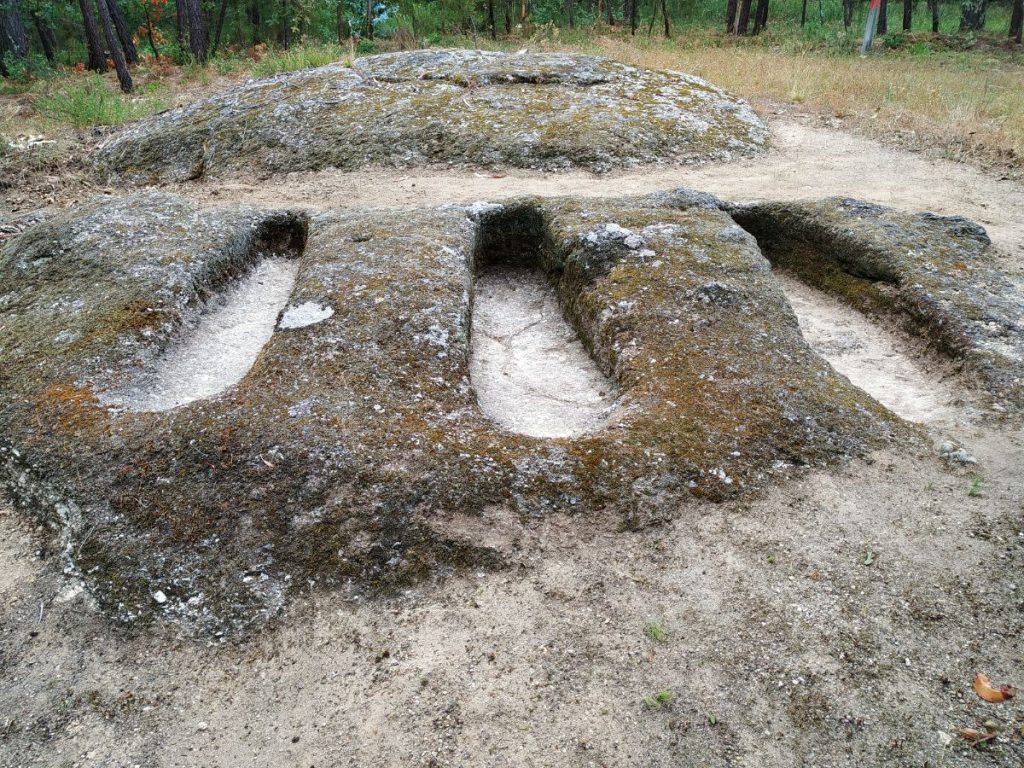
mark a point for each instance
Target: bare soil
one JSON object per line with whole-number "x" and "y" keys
{"x": 835, "y": 621}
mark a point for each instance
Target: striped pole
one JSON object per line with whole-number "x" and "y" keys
{"x": 869, "y": 30}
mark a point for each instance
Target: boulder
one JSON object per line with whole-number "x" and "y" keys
{"x": 442, "y": 107}
{"x": 353, "y": 454}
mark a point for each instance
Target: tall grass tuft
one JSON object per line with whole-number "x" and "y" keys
{"x": 300, "y": 57}
{"x": 88, "y": 101}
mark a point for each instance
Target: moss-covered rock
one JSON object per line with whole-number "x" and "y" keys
{"x": 354, "y": 454}
{"x": 936, "y": 275}
{"x": 442, "y": 107}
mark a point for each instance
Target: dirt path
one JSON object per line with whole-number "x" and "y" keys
{"x": 834, "y": 621}
{"x": 808, "y": 160}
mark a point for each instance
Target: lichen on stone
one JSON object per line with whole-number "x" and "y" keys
{"x": 345, "y": 454}
{"x": 443, "y": 107}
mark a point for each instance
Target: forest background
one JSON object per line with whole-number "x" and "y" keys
{"x": 942, "y": 76}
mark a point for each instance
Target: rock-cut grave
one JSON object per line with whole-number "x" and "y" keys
{"x": 216, "y": 405}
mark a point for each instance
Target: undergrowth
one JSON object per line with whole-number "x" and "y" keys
{"x": 303, "y": 57}
{"x": 84, "y": 101}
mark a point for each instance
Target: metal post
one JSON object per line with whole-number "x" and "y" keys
{"x": 869, "y": 30}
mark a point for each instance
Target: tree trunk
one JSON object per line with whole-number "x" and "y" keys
{"x": 1017, "y": 20}
{"x": 221, "y": 13}
{"x": 908, "y": 15}
{"x": 972, "y": 15}
{"x": 934, "y": 6}
{"x": 664, "y": 17}
{"x": 570, "y": 13}
{"x": 284, "y": 32}
{"x": 46, "y": 38}
{"x": 97, "y": 59}
{"x": 743, "y": 17}
{"x": 611, "y": 13}
{"x": 883, "y": 18}
{"x": 149, "y": 31}
{"x": 114, "y": 45}
{"x": 633, "y": 11}
{"x": 508, "y": 17}
{"x": 760, "y": 16}
{"x": 180, "y": 27}
{"x": 803, "y": 13}
{"x": 255, "y": 21}
{"x": 13, "y": 38}
{"x": 730, "y": 16}
{"x": 124, "y": 34}
{"x": 341, "y": 26}
{"x": 491, "y": 20}
{"x": 198, "y": 36}
{"x": 368, "y": 21}
{"x": 847, "y": 13}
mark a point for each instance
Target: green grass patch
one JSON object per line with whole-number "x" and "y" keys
{"x": 299, "y": 57}
{"x": 87, "y": 101}
{"x": 659, "y": 700}
{"x": 655, "y": 631}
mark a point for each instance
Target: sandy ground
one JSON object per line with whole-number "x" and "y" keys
{"x": 810, "y": 159}
{"x": 834, "y": 621}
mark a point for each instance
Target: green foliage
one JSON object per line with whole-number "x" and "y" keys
{"x": 32, "y": 67}
{"x": 655, "y": 632}
{"x": 894, "y": 40}
{"x": 194, "y": 72}
{"x": 90, "y": 100}
{"x": 229, "y": 64}
{"x": 975, "y": 488}
{"x": 418, "y": 23}
{"x": 659, "y": 700}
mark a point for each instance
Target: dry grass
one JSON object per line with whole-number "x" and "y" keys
{"x": 971, "y": 107}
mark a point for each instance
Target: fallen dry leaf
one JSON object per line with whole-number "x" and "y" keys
{"x": 975, "y": 736}
{"x": 984, "y": 688}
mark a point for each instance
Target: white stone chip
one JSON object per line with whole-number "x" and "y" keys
{"x": 307, "y": 313}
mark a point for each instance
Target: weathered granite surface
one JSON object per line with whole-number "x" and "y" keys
{"x": 443, "y": 107}
{"x": 935, "y": 275}
{"x": 354, "y": 454}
